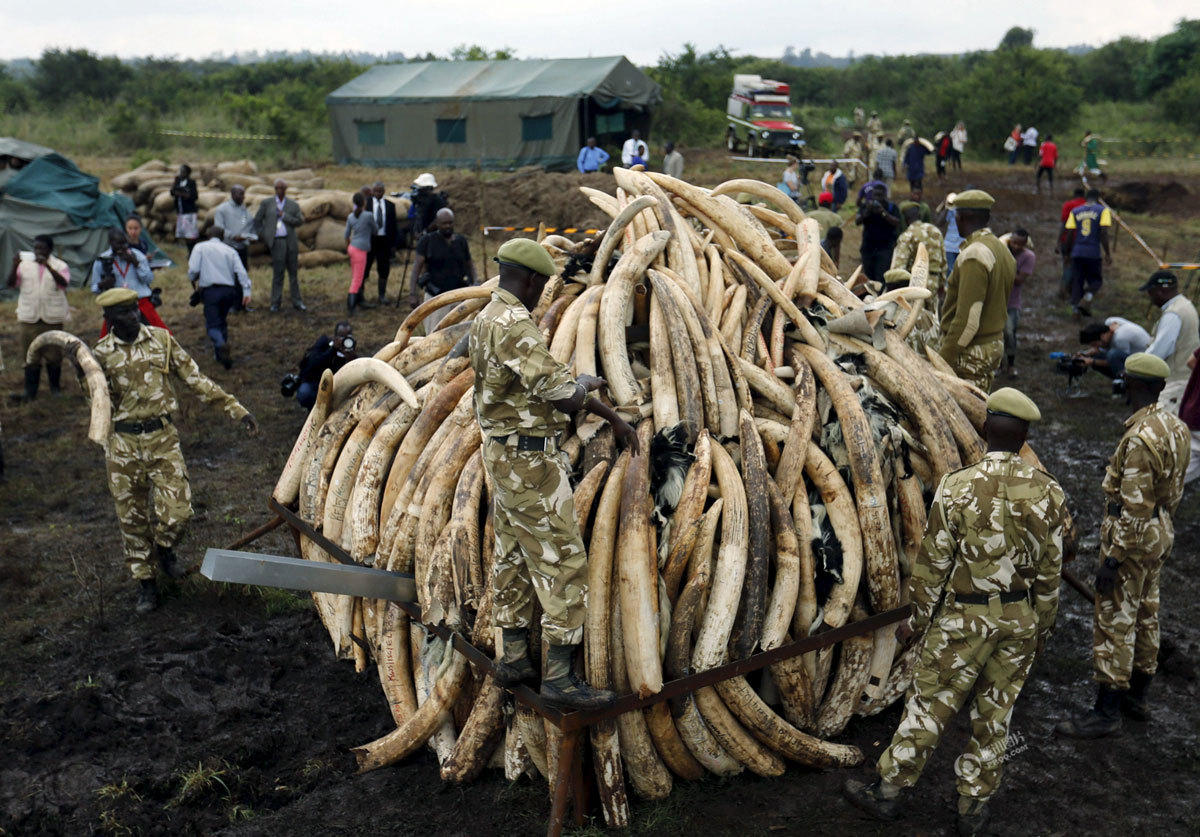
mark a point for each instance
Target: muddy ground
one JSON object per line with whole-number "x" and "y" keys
{"x": 225, "y": 712}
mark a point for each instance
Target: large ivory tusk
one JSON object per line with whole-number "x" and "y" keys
{"x": 100, "y": 427}
{"x": 361, "y": 370}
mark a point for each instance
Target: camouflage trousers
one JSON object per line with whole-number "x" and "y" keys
{"x": 977, "y": 363}
{"x": 990, "y": 648}
{"x": 927, "y": 332}
{"x": 538, "y": 546}
{"x": 146, "y": 472}
{"x": 1125, "y": 636}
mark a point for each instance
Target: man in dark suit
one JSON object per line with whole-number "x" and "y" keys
{"x": 276, "y": 222}
{"x": 383, "y": 245}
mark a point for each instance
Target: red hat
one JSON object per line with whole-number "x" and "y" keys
{"x": 825, "y": 198}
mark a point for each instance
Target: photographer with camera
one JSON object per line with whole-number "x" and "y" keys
{"x": 880, "y": 221}
{"x": 1109, "y": 343}
{"x": 120, "y": 266}
{"x": 443, "y": 263}
{"x": 324, "y": 354}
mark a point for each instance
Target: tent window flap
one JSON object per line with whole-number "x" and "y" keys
{"x": 371, "y": 132}
{"x": 537, "y": 128}
{"x": 451, "y": 130}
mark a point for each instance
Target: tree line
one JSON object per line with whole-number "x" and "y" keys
{"x": 989, "y": 90}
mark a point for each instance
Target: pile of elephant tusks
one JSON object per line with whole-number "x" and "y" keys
{"x": 793, "y": 463}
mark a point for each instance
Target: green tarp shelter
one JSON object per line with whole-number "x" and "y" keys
{"x": 501, "y": 114}
{"x": 50, "y": 195}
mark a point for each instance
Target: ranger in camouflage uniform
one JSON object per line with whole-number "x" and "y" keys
{"x": 523, "y": 398}
{"x": 976, "y": 306}
{"x": 922, "y": 232}
{"x": 145, "y": 465}
{"x": 1142, "y": 487}
{"x": 986, "y": 587}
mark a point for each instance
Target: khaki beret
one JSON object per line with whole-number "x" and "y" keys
{"x": 895, "y": 275}
{"x": 1146, "y": 365}
{"x": 973, "y": 199}
{"x": 1007, "y": 401}
{"x": 117, "y": 296}
{"x": 525, "y": 252}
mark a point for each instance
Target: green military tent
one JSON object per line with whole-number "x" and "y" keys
{"x": 501, "y": 114}
{"x": 42, "y": 192}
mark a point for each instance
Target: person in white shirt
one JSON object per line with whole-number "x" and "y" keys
{"x": 1029, "y": 143}
{"x": 631, "y": 148}
{"x": 234, "y": 217}
{"x": 958, "y": 144}
{"x": 1111, "y": 342}
{"x": 221, "y": 283}
{"x": 41, "y": 307}
{"x": 1176, "y": 334}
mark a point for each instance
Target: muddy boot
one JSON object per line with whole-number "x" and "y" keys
{"x": 972, "y": 816}
{"x": 54, "y": 376}
{"x": 351, "y": 303}
{"x": 563, "y": 688}
{"x": 33, "y": 376}
{"x": 1133, "y": 702}
{"x": 514, "y": 666}
{"x": 877, "y": 799}
{"x": 1102, "y": 719}
{"x": 224, "y": 356}
{"x": 169, "y": 561}
{"x": 362, "y": 299}
{"x": 147, "y": 598}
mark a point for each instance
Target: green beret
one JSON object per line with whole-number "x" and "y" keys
{"x": 117, "y": 296}
{"x": 1007, "y": 401}
{"x": 973, "y": 199}
{"x": 525, "y": 252}
{"x": 897, "y": 275}
{"x": 1148, "y": 366}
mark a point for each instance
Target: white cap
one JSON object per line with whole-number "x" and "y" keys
{"x": 425, "y": 179}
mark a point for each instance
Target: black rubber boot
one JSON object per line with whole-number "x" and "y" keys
{"x": 869, "y": 799}
{"x": 224, "y": 356}
{"x": 33, "y": 376}
{"x": 351, "y": 303}
{"x": 362, "y": 299}
{"x": 563, "y": 688}
{"x": 973, "y": 816}
{"x": 1101, "y": 720}
{"x": 383, "y": 297}
{"x": 514, "y": 666}
{"x": 169, "y": 561}
{"x": 54, "y": 376}
{"x": 147, "y": 598}
{"x": 1133, "y": 702}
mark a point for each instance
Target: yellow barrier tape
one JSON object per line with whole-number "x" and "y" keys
{"x": 210, "y": 135}
{"x": 564, "y": 230}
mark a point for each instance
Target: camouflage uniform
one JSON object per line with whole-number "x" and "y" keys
{"x": 905, "y": 253}
{"x": 976, "y": 308}
{"x": 1142, "y": 486}
{"x": 538, "y": 546}
{"x": 996, "y": 526}
{"x": 146, "y": 469}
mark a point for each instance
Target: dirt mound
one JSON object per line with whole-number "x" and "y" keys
{"x": 1147, "y": 196}
{"x": 524, "y": 198}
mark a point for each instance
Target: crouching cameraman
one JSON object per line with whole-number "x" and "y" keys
{"x": 324, "y": 354}
{"x": 1110, "y": 343}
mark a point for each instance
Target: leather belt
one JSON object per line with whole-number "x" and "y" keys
{"x": 1007, "y": 597}
{"x": 524, "y": 442}
{"x": 146, "y": 426}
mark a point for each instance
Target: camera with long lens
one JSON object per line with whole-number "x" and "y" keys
{"x": 289, "y": 385}
{"x": 346, "y": 344}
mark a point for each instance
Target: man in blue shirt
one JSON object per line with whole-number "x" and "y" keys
{"x": 1087, "y": 234}
{"x": 591, "y": 157}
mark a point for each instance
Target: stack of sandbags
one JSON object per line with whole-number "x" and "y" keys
{"x": 322, "y": 236}
{"x": 801, "y": 436}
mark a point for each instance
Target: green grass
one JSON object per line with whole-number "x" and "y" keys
{"x": 199, "y": 781}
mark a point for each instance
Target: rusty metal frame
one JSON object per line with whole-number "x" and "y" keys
{"x": 569, "y": 787}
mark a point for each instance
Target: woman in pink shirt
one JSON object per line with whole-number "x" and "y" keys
{"x": 41, "y": 307}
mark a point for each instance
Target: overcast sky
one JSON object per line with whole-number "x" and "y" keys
{"x": 640, "y": 30}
